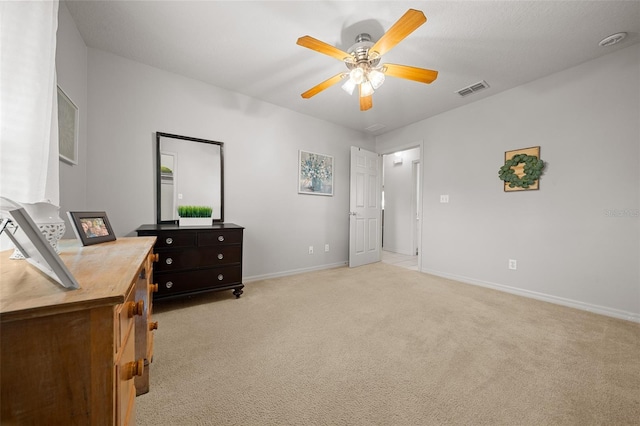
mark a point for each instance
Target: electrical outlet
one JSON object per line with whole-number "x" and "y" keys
{"x": 326, "y": 248}
{"x": 444, "y": 198}
{"x": 310, "y": 249}
{"x": 513, "y": 264}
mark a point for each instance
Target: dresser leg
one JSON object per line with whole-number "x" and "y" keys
{"x": 237, "y": 292}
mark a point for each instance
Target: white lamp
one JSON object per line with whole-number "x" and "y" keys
{"x": 349, "y": 86}
{"x": 376, "y": 78}
{"x": 366, "y": 89}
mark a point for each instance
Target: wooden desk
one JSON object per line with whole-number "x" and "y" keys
{"x": 70, "y": 356}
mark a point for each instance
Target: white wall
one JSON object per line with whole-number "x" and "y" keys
{"x": 129, "y": 102}
{"x": 576, "y": 240}
{"x": 71, "y": 70}
{"x": 399, "y": 216}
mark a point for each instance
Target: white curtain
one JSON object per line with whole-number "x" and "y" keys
{"x": 28, "y": 101}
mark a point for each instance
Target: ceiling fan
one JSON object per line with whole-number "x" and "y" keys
{"x": 363, "y": 60}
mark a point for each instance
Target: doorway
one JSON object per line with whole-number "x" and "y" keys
{"x": 401, "y": 207}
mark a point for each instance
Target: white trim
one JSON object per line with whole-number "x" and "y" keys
{"x": 293, "y": 272}
{"x": 602, "y": 310}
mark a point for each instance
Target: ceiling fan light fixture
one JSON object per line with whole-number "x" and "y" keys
{"x": 357, "y": 75}
{"x": 349, "y": 86}
{"x": 366, "y": 89}
{"x": 376, "y": 78}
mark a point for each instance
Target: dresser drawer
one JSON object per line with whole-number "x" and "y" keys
{"x": 168, "y": 239}
{"x": 176, "y": 260}
{"x": 202, "y": 279}
{"x": 125, "y": 319}
{"x": 221, "y": 236}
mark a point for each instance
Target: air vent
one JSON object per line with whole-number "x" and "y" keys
{"x": 375, "y": 127}
{"x": 466, "y": 91}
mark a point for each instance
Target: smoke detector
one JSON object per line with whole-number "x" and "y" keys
{"x": 612, "y": 39}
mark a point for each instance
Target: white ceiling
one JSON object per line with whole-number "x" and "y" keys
{"x": 250, "y": 47}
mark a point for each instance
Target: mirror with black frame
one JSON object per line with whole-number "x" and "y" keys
{"x": 189, "y": 173}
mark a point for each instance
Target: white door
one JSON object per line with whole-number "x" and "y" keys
{"x": 365, "y": 227}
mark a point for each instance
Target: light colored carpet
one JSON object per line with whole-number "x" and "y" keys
{"x": 382, "y": 345}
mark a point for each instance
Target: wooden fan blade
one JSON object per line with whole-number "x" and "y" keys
{"x": 322, "y": 47}
{"x": 407, "y": 24}
{"x": 366, "y": 102}
{"x": 410, "y": 73}
{"x": 320, "y": 87}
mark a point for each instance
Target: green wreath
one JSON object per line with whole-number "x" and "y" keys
{"x": 533, "y": 167}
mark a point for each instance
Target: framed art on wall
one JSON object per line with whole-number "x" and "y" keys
{"x": 91, "y": 227}
{"x": 315, "y": 173}
{"x": 68, "y": 121}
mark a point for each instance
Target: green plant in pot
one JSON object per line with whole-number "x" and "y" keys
{"x": 195, "y": 215}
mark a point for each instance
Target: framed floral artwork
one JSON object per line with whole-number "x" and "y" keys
{"x": 315, "y": 173}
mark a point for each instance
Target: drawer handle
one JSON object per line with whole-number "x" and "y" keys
{"x": 155, "y": 257}
{"x": 135, "y": 308}
{"x": 169, "y": 240}
{"x": 221, "y": 238}
{"x": 132, "y": 369}
{"x": 220, "y": 277}
{"x": 153, "y": 288}
{"x": 220, "y": 256}
{"x": 153, "y": 325}
{"x": 169, "y": 284}
{"x": 169, "y": 261}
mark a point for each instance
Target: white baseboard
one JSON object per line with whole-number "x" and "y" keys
{"x": 292, "y": 272}
{"x": 602, "y": 310}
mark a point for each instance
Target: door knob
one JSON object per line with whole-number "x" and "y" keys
{"x": 353, "y": 214}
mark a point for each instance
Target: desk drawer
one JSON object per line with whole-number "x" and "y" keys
{"x": 202, "y": 279}
{"x": 176, "y": 260}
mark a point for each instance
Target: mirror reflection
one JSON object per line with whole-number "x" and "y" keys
{"x": 190, "y": 173}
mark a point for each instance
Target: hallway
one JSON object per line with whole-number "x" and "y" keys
{"x": 402, "y": 260}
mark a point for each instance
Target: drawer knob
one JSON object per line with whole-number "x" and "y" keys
{"x": 221, "y": 238}
{"x": 220, "y": 256}
{"x": 169, "y": 261}
{"x": 155, "y": 257}
{"x": 169, "y": 240}
{"x": 220, "y": 277}
{"x": 132, "y": 369}
{"x": 169, "y": 284}
{"x": 135, "y": 308}
{"x": 153, "y": 325}
{"x": 153, "y": 288}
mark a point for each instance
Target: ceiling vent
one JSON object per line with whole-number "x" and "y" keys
{"x": 466, "y": 91}
{"x": 375, "y": 127}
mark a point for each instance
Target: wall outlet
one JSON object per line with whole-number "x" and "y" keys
{"x": 310, "y": 249}
{"x": 513, "y": 264}
{"x": 326, "y": 248}
{"x": 444, "y": 198}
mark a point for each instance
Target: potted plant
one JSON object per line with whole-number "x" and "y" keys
{"x": 194, "y": 215}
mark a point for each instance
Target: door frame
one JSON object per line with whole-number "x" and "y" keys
{"x": 403, "y": 147}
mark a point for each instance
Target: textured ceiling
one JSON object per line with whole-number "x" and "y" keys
{"x": 250, "y": 47}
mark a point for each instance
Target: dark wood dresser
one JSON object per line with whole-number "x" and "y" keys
{"x": 195, "y": 259}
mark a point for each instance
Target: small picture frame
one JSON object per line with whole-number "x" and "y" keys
{"x": 68, "y": 122}
{"x": 91, "y": 227}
